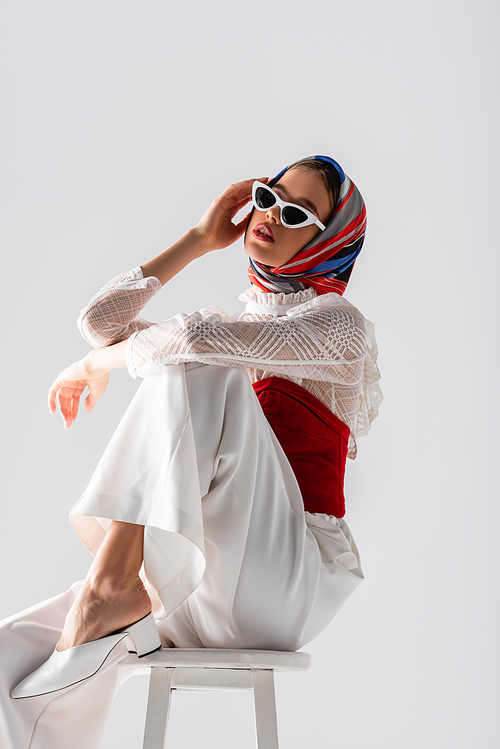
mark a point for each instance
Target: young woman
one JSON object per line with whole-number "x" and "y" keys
{"x": 215, "y": 515}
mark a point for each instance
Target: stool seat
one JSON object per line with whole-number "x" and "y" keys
{"x": 215, "y": 669}
{"x": 277, "y": 660}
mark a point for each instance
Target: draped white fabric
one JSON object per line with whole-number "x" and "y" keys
{"x": 322, "y": 343}
{"x": 231, "y": 558}
{"x": 194, "y": 432}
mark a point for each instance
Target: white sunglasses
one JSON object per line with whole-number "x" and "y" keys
{"x": 291, "y": 215}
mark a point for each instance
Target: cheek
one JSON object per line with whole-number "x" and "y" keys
{"x": 303, "y": 236}
{"x": 255, "y": 218}
{"x": 295, "y": 240}
{"x": 292, "y": 242}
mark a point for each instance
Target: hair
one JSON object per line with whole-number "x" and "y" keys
{"x": 327, "y": 172}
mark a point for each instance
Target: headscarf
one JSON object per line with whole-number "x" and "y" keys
{"x": 327, "y": 261}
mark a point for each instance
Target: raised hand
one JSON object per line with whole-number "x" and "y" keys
{"x": 216, "y": 225}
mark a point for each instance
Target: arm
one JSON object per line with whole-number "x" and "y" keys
{"x": 93, "y": 372}
{"x": 326, "y": 344}
{"x": 330, "y": 343}
{"x": 214, "y": 231}
{"x": 112, "y": 314}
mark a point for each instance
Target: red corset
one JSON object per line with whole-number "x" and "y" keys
{"x": 313, "y": 439}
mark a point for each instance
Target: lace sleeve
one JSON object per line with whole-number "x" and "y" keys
{"x": 112, "y": 314}
{"x": 370, "y": 396}
{"x": 326, "y": 344}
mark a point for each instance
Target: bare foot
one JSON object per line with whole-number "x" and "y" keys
{"x": 100, "y": 610}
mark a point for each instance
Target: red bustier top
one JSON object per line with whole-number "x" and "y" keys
{"x": 313, "y": 439}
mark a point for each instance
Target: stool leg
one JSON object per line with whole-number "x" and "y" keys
{"x": 160, "y": 684}
{"x": 266, "y": 725}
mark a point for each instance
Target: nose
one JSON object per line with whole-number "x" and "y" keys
{"x": 273, "y": 213}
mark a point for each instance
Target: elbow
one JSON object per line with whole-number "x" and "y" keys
{"x": 96, "y": 333}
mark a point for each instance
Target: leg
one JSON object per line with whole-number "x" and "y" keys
{"x": 75, "y": 719}
{"x": 266, "y": 726}
{"x": 160, "y": 695}
{"x": 113, "y": 594}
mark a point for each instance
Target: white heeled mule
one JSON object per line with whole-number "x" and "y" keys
{"x": 69, "y": 667}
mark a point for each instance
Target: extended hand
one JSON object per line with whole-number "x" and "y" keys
{"x": 69, "y": 386}
{"x": 216, "y": 225}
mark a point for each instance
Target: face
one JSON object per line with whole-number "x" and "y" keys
{"x": 267, "y": 240}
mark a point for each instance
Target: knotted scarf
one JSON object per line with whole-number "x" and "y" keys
{"x": 327, "y": 261}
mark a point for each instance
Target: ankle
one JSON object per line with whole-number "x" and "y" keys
{"x": 105, "y": 585}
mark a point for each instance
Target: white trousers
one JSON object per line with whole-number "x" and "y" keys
{"x": 231, "y": 560}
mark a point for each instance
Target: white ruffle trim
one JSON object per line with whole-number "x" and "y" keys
{"x": 324, "y": 516}
{"x": 371, "y": 395}
{"x": 269, "y": 303}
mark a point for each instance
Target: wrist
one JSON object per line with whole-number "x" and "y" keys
{"x": 191, "y": 246}
{"x": 101, "y": 361}
{"x": 199, "y": 242}
{"x": 93, "y": 363}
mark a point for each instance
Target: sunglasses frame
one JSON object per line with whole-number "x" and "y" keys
{"x": 310, "y": 217}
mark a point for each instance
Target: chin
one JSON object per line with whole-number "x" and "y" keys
{"x": 252, "y": 252}
{"x": 259, "y": 258}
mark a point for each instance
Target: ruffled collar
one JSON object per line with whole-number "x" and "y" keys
{"x": 268, "y": 303}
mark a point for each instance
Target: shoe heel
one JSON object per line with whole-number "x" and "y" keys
{"x": 145, "y": 635}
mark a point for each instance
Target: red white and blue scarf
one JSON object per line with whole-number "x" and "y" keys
{"x": 327, "y": 261}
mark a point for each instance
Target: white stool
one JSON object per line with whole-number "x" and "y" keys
{"x": 209, "y": 669}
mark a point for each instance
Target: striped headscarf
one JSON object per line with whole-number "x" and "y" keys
{"x": 327, "y": 261}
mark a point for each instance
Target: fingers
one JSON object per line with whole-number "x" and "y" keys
{"x": 245, "y": 187}
{"x": 68, "y": 400}
{"x": 246, "y": 183}
{"x": 90, "y": 401}
{"x": 67, "y": 389}
{"x": 62, "y": 402}
{"x": 52, "y": 400}
{"x": 236, "y": 207}
{"x": 232, "y": 202}
{"x": 52, "y": 396}
{"x": 241, "y": 190}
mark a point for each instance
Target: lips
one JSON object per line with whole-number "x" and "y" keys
{"x": 263, "y": 232}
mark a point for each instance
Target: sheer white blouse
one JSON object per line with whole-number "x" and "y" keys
{"x": 321, "y": 342}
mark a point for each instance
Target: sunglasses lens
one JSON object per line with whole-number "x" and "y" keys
{"x": 291, "y": 215}
{"x": 264, "y": 198}
{"x": 294, "y": 216}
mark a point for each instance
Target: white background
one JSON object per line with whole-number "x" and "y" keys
{"x": 121, "y": 121}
